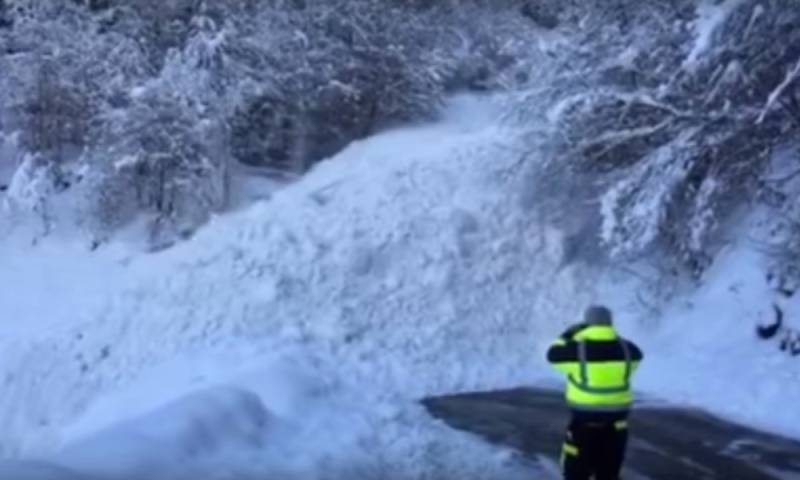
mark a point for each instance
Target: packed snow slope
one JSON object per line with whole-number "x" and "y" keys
{"x": 401, "y": 268}
{"x": 293, "y": 339}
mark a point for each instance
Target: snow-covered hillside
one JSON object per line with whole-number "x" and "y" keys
{"x": 293, "y": 339}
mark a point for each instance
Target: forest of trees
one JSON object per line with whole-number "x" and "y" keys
{"x": 665, "y": 115}
{"x": 147, "y": 104}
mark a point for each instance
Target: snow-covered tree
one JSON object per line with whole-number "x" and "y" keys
{"x": 339, "y": 71}
{"x": 673, "y": 109}
{"x": 164, "y": 154}
{"x": 342, "y": 70}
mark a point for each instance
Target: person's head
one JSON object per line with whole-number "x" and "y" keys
{"x": 598, "y": 315}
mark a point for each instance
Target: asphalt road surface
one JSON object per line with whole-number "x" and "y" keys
{"x": 667, "y": 442}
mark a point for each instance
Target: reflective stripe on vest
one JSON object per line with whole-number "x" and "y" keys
{"x": 583, "y": 384}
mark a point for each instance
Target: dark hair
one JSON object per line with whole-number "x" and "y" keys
{"x": 598, "y": 315}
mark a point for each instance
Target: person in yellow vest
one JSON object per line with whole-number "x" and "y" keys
{"x": 599, "y": 365}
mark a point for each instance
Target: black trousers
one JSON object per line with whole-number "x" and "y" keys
{"x": 594, "y": 450}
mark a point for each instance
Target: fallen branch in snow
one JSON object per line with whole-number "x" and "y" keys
{"x": 773, "y": 98}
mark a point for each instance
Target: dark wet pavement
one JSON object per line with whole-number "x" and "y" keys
{"x": 666, "y": 442}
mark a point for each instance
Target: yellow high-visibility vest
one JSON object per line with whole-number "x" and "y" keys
{"x": 598, "y": 365}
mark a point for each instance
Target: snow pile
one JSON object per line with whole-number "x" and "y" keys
{"x": 403, "y": 268}
{"x": 176, "y": 438}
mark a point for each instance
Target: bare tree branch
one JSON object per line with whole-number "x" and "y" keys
{"x": 791, "y": 76}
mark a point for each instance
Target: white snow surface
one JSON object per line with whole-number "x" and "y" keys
{"x": 293, "y": 339}
{"x": 381, "y": 272}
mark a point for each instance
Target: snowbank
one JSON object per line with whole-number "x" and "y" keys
{"x": 404, "y": 267}
{"x": 178, "y": 440}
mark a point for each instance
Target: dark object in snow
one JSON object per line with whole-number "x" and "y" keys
{"x": 98, "y": 5}
{"x": 790, "y": 338}
{"x": 791, "y": 343}
{"x": 765, "y": 332}
{"x": 785, "y": 280}
{"x": 539, "y": 15}
{"x": 3, "y": 188}
{"x": 786, "y": 292}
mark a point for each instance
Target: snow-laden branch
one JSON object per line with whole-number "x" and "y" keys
{"x": 617, "y": 137}
{"x": 790, "y": 78}
{"x": 711, "y": 16}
